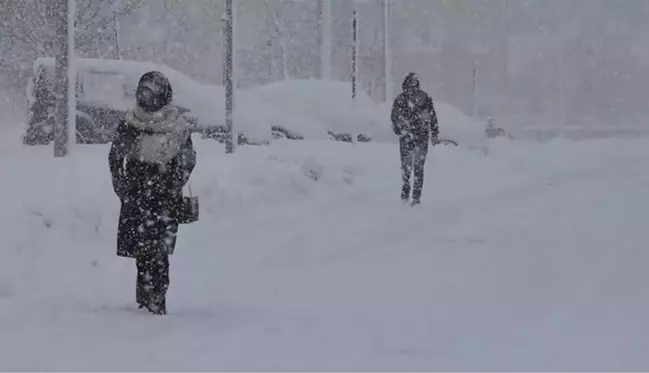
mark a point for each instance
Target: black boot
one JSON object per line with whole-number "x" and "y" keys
{"x": 416, "y": 196}
{"x": 405, "y": 193}
{"x": 157, "y": 305}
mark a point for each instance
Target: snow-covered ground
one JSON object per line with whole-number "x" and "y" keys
{"x": 523, "y": 257}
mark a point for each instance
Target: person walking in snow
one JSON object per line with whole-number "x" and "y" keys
{"x": 414, "y": 120}
{"x": 151, "y": 159}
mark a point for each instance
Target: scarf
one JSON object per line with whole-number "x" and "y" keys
{"x": 163, "y": 133}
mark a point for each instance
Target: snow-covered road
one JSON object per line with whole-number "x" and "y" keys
{"x": 529, "y": 257}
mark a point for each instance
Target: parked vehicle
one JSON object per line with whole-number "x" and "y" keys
{"x": 293, "y": 110}
{"x": 318, "y": 109}
{"x": 94, "y": 119}
{"x": 105, "y": 90}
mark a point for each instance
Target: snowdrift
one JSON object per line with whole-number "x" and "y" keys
{"x": 73, "y": 196}
{"x": 12, "y": 118}
{"x": 76, "y": 191}
{"x": 312, "y": 109}
{"x": 453, "y": 125}
{"x": 315, "y": 107}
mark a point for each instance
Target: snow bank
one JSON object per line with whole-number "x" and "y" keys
{"x": 274, "y": 177}
{"x": 314, "y": 107}
{"x": 63, "y": 212}
{"x": 12, "y": 108}
{"x": 310, "y": 108}
{"x": 453, "y": 125}
{"x": 12, "y": 119}
{"x": 73, "y": 196}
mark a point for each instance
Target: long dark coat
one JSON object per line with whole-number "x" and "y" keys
{"x": 150, "y": 194}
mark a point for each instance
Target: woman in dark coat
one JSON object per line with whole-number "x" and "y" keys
{"x": 151, "y": 160}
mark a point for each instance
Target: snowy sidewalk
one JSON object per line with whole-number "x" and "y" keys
{"x": 516, "y": 261}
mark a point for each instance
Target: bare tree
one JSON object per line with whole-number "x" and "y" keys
{"x": 30, "y": 26}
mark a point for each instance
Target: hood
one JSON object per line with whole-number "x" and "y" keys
{"x": 410, "y": 82}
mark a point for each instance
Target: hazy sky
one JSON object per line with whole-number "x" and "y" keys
{"x": 569, "y": 61}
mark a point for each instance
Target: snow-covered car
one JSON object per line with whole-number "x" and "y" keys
{"x": 105, "y": 90}
{"x": 320, "y": 109}
{"x": 317, "y": 109}
{"x": 455, "y": 128}
{"x": 458, "y": 127}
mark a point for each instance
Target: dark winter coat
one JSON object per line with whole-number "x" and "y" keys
{"x": 413, "y": 115}
{"x": 151, "y": 160}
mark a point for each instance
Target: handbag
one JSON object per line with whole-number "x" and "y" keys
{"x": 188, "y": 211}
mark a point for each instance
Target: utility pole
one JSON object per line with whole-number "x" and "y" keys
{"x": 506, "y": 106}
{"x": 387, "y": 52}
{"x": 116, "y": 8}
{"x": 65, "y": 77}
{"x": 280, "y": 34}
{"x": 475, "y": 87}
{"x": 324, "y": 8}
{"x": 231, "y": 137}
{"x": 355, "y": 51}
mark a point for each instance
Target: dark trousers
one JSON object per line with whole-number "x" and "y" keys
{"x": 413, "y": 158}
{"x": 152, "y": 282}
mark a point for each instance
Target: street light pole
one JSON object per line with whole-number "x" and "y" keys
{"x": 505, "y": 108}
{"x": 65, "y": 121}
{"x": 354, "y": 52}
{"x": 387, "y": 52}
{"x": 230, "y": 139}
{"x": 324, "y": 8}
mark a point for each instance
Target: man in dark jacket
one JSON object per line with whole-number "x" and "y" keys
{"x": 151, "y": 159}
{"x": 414, "y": 120}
